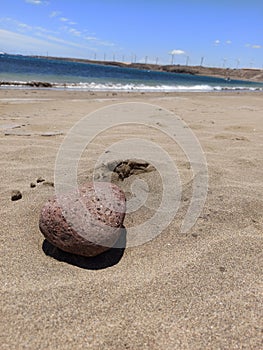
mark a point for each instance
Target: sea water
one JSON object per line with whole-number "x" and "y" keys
{"x": 62, "y": 74}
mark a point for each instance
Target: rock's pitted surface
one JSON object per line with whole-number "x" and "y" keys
{"x": 85, "y": 222}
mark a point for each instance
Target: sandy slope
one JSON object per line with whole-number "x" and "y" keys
{"x": 199, "y": 290}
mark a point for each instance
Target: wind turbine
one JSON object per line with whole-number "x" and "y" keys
{"x": 133, "y": 58}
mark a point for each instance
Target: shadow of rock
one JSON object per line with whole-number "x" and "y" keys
{"x": 102, "y": 261}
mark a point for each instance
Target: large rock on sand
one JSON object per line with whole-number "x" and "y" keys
{"x": 86, "y": 222}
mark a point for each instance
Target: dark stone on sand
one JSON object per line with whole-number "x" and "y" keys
{"x": 86, "y": 222}
{"x": 16, "y": 195}
{"x": 222, "y": 269}
{"x": 40, "y": 84}
{"x": 16, "y": 133}
{"x": 51, "y": 133}
{"x": 130, "y": 167}
{"x": 40, "y": 179}
{"x": 48, "y": 183}
{"x": 124, "y": 169}
{"x": 32, "y": 185}
{"x": 29, "y": 83}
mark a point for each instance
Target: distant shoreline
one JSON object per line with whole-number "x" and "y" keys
{"x": 19, "y": 71}
{"x": 249, "y": 74}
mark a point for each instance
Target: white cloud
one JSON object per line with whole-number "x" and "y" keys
{"x": 253, "y": 46}
{"x": 74, "y": 32}
{"x": 37, "y": 31}
{"x": 8, "y": 20}
{"x": 228, "y": 42}
{"x": 23, "y": 27}
{"x": 62, "y": 19}
{"x": 11, "y": 41}
{"x": 216, "y": 42}
{"x": 44, "y": 30}
{"x": 62, "y": 41}
{"x": 54, "y": 14}
{"x": 105, "y": 43}
{"x": 82, "y": 39}
{"x": 90, "y": 38}
{"x": 98, "y": 41}
{"x": 36, "y": 2}
{"x": 177, "y": 52}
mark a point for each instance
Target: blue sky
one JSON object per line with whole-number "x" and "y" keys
{"x": 225, "y": 33}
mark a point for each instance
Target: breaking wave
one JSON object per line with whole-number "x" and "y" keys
{"x": 92, "y": 86}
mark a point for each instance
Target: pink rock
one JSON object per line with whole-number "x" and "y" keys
{"x": 85, "y": 222}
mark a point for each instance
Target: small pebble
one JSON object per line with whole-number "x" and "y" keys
{"x": 48, "y": 183}
{"x": 32, "y": 185}
{"x": 51, "y": 133}
{"x": 40, "y": 179}
{"x": 16, "y": 195}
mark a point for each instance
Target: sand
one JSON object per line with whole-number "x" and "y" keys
{"x": 196, "y": 290}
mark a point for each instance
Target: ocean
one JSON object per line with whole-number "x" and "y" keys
{"x": 19, "y": 71}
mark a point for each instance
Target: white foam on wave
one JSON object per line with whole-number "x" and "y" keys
{"x": 92, "y": 86}
{"x": 150, "y": 88}
{"x": 134, "y": 87}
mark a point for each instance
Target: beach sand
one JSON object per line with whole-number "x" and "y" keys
{"x": 196, "y": 290}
